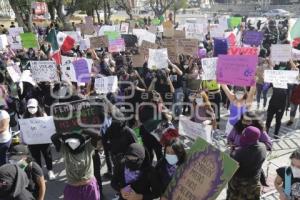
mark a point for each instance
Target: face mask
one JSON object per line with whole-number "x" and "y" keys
{"x": 199, "y": 101}
{"x": 73, "y": 143}
{"x": 239, "y": 95}
{"x": 171, "y": 159}
{"x": 21, "y": 163}
{"x": 185, "y": 66}
{"x": 106, "y": 60}
{"x": 32, "y": 110}
{"x": 296, "y": 172}
{"x": 173, "y": 70}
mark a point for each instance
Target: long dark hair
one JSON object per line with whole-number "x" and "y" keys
{"x": 39, "y": 113}
{"x": 254, "y": 117}
{"x": 178, "y": 148}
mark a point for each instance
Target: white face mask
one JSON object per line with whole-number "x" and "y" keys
{"x": 185, "y": 66}
{"x": 199, "y": 101}
{"x": 32, "y": 110}
{"x": 73, "y": 143}
{"x": 171, "y": 159}
{"x": 239, "y": 95}
{"x": 296, "y": 172}
{"x": 106, "y": 60}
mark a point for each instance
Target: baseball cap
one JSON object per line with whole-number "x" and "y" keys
{"x": 17, "y": 152}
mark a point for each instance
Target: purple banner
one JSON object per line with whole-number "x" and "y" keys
{"x": 237, "y": 70}
{"x": 82, "y": 71}
{"x": 253, "y": 38}
{"x": 220, "y": 46}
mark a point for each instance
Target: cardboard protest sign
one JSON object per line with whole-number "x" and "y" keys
{"x": 280, "y": 78}
{"x": 144, "y": 35}
{"x": 15, "y": 42}
{"x": 209, "y": 66}
{"x": 14, "y": 72}
{"x": 88, "y": 28}
{"x": 15, "y": 31}
{"x": 76, "y": 115}
{"x": 98, "y": 42}
{"x": 243, "y": 51}
{"x": 124, "y": 27}
{"x": 106, "y": 84}
{"x": 138, "y": 60}
{"x": 237, "y": 70}
{"x": 84, "y": 44}
{"x": 216, "y": 31}
{"x": 37, "y": 130}
{"x": 82, "y": 71}
{"x": 29, "y": 40}
{"x": 194, "y": 130}
{"x": 168, "y": 29}
{"x": 117, "y": 45}
{"x": 171, "y": 45}
{"x": 3, "y": 42}
{"x": 296, "y": 54}
{"x": 68, "y": 72}
{"x": 281, "y": 52}
{"x": 195, "y": 31}
{"x": 220, "y": 46}
{"x": 144, "y": 48}
{"x": 187, "y": 46}
{"x": 253, "y": 38}
{"x": 105, "y": 28}
{"x": 44, "y": 71}
{"x": 204, "y": 174}
{"x": 235, "y": 21}
{"x": 158, "y": 58}
{"x": 178, "y": 34}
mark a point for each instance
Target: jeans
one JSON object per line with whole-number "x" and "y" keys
{"x": 278, "y": 112}
{"x": 177, "y": 100}
{"x": 294, "y": 108}
{"x": 3, "y": 152}
{"x": 45, "y": 149}
{"x": 216, "y": 100}
{"x": 260, "y": 90}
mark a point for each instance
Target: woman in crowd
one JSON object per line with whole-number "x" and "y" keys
{"x": 34, "y": 110}
{"x": 5, "y": 136}
{"x": 135, "y": 178}
{"x": 287, "y": 182}
{"x": 295, "y": 102}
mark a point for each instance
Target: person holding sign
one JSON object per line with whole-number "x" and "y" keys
{"x": 34, "y": 110}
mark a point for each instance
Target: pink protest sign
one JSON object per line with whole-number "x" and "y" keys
{"x": 237, "y": 70}
{"x": 242, "y": 51}
{"x": 117, "y": 45}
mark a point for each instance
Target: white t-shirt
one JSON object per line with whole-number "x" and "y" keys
{"x": 5, "y": 136}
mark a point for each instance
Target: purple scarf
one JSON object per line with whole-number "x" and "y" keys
{"x": 131, "y": 176}
{"x": 171, "y": 169}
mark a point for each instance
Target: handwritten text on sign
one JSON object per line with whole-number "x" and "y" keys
{"x": 237, "y": 70}
{"x": 280, "y": 78}
{"x": 209, "y": 66}
{"x": 158, "y": 58}
{"x": 44, "y": 71}
{"x": 281, "y": 52}
{"x": 106, "y": 85}
{"x": 37, "y": 130}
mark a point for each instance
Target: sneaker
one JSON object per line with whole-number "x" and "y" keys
{"x": 51, "y": 175}
{"x": 290, "y": 123}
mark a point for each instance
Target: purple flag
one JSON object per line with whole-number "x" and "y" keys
{"x": 253, "y": 38}
{"x": 237, "y": 70}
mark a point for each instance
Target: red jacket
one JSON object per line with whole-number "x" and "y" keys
{"x": 295, "y": 98}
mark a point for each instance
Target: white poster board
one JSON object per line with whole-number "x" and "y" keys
{"x": 158, "y": 58}
{"x": 37, "y": 130}
{"x": 143, "y": 34}
{"x": 105, "y": 28}
{"x": 195, "y": 30}
{"x": 281, "y": 53}
{"x": 280, "y": 78}
{"x": 194, "y": 130}
{"x": 44, "y": 71}
{"x": 84, "y": 44}
{"x": 3, "y": 42}
{"x": 296, "y": 54}
{"x": 209, "y": 66}
{"x": 104, "y": 85}
{"x": 15, "y": 42}
{"x": 14, "y": 72}
{"x": 15, "y": 31}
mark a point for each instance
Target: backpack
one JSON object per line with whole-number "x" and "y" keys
{"x": 288, "y": 182}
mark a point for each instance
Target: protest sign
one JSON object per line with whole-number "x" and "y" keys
{"x": 178, "y": 34}
{"x": 216, "y": 31}
{"x": 130, "y": 40}
{"x": 82, "y": 70}
{"x": 106, "y": 84}
{"x": 87, "y": 28}
{"x": 281, "y": 52}
{"x": 84, "y": 44}
{"x": 105, "y": 28}
{"x": 209, "y": 66}
{"x": 231, "y": 38}
{"x": 242, "y": 51}
{"x": 144, "y": 35}
{"x": 68, "y": 72}
{"x": 204, "y": 174}
{"x": 112, "y": 35}
{"x": 26, "y": 76}
{"x": 3, "y": 42}
{"x": 44, "y": 71}
{"x": 194, "y": 130}
{"x": 124, "y": 27}
{"x": 144, "y": 48}
{"x": 187, "y": 46}
{"x": 15, "y": 31}
{"x": 14, "y": 72}
{"x": 280, "y": 78}
{"x": 73, "y": 116}
{"x": 253, "y": 38}
{"x": 29, "y": 40}
{"x": 223, "y": 22}
{"x": 15, "y": 42}
{"x": 195, "y": 31}
{"x": 237, "y": 70}
{"x": 171, "y": 45}
{"x": 155, "y": 21}
{"x": 296, "y": 54}
{"x": 37, "y": 130}
{"x": 98, "y": 42}
{"x": 220, "y": 46}
{"x": 235, "y": 21}
{"x": 138, "y": 60}
{"x": 117, "y": 45}
{"x": 158, "y": 58}
{"x": 168, "y": 29}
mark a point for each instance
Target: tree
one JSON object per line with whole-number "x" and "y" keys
{"x": 178, "y": 5}
{"x": 23, "y": 13}
{"x": 159, "y": 7}
{"x": 126, "y": 5}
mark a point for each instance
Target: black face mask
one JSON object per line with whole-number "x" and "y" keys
{"x": 133, "y": 165}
